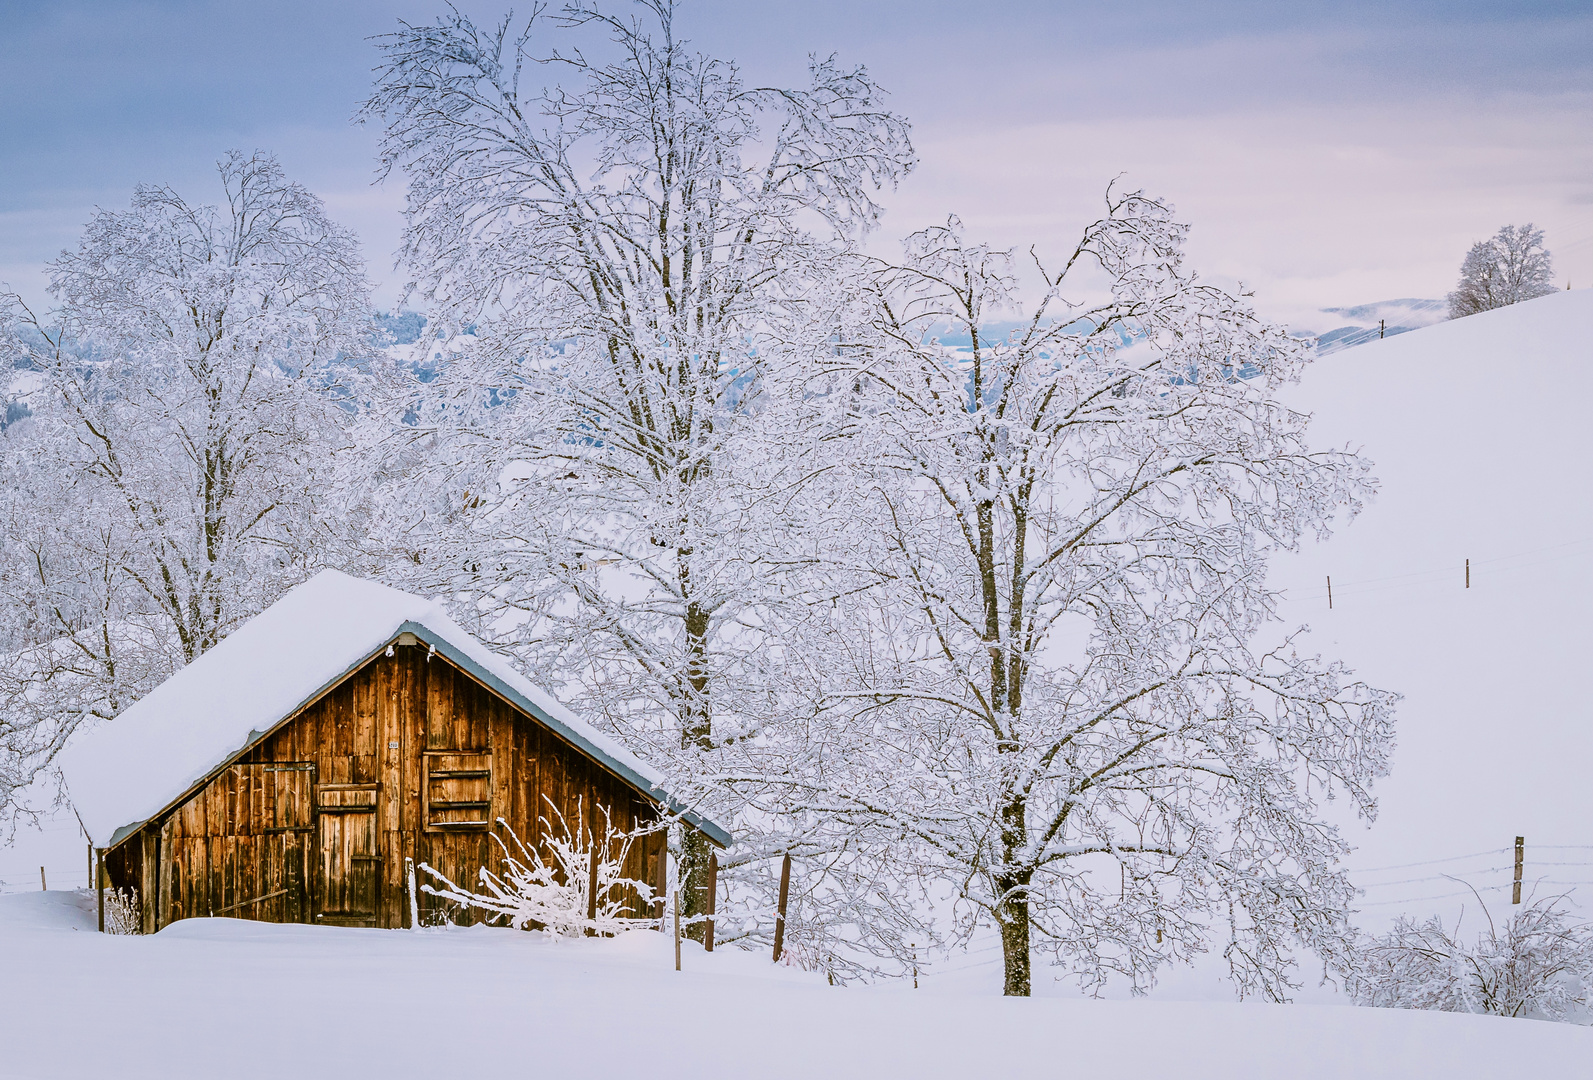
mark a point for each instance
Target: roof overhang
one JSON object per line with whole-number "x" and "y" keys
{"x": 718, "y": 834}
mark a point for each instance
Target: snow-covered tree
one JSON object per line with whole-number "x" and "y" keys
{"x": 1538, "y": 965}
{"x": 68, "y": 648}
{"x": 1509, "y": 267}
{"x": 604, "y": 476}
{"x": 173, "y": 477}
{"x": 1047, "y": 682}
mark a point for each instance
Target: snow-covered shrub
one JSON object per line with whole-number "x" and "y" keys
{"x": 1538, "y": 965}
{"x": 121, "y": 912}
{"x": 537, "y": 894}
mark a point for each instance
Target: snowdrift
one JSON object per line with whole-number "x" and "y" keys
{"x": 219, "y": 997}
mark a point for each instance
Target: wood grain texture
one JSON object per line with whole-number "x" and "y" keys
{"x": 408, "y": 758}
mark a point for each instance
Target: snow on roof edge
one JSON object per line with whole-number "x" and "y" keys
{"x": 178, "y": 736}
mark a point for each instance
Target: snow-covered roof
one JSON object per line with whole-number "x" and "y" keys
{"x": 122, "y": 773}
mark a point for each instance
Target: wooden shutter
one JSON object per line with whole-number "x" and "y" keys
{"x": 458, "y": 790}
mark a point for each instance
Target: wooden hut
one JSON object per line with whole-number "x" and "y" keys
{"x": 297, "y": 770}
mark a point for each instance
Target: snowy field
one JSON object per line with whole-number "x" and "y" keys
{"x": 1480, "y": 435}
{"x": 219, "y": 997}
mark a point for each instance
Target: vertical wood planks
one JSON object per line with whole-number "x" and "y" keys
{"x": 252, "y": 844}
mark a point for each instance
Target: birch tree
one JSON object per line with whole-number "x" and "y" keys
{"x": 630, "y": 229}
{"x": 1050, "y": 687}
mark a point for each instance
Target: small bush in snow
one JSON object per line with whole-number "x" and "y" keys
{"x": 535, "y": 894}
{"x": 121, "y": 912}
{"x": 1538, "y": 965}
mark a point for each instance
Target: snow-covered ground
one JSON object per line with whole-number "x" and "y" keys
{"x": 1481, "y": 434}
{"x": 220, "y": 997}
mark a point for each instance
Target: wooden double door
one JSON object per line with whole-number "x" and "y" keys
{"x": 279, "y": 848}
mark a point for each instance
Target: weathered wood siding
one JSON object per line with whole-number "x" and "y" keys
{"x": 408, "y": 758}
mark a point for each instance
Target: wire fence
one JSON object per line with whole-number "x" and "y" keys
{"x": 58, "y": 878}
{"x": 1473, "y": 880}
{"x": 59, "y": 846}
{"x": 1478, "y": 875}
{"x": 1460, "y": 573}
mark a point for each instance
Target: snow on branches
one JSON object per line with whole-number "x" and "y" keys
{"x": 604, "y": 477}
{"x": 176, "y": 472}
{"x": 556, "y": 895}
{"x": 1539, "y": 964}
{"x": 914, "y": 600}
{"x": 1507, "y": 268}
{"x": 1047, "y": 677}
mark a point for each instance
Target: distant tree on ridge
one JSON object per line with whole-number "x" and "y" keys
{"x": 1510, "y": 267}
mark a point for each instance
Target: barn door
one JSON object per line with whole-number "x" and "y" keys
{"x": 255, "y": 847}
{"x": 350, "y": 869}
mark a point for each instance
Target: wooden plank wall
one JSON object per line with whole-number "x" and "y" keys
{"x": 247, "y": 834}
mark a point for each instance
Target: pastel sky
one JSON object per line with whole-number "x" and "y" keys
{"x": 1326, "y": 154}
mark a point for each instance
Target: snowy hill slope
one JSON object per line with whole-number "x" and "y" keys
{"x": 1481, "y": 435}
{"x": 220, "y": 997}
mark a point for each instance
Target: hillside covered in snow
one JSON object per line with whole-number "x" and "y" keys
{"x": 1479, "y": 435}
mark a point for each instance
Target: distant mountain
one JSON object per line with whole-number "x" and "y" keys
{"x": 1349, "y": 326}
{"x": 399, "y": 327}
{"x": 1345, "y": 326}
{"x": 1363, "y": 322}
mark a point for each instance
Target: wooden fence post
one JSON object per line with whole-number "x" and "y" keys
{"x": 99, "y": 883}
{"x": 779, "y": 918}
{"x": 675, "y": 897}
{"x": 591, "y": 890}
{"x": 409, "y": 887}
{"x": 1515, "y": 892}
{"x": 713, "y": 895}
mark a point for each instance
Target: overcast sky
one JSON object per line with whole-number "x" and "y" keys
{"x": 1325, "y": 153}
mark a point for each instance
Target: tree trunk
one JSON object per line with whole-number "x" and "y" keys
{"x": 1012, "y": 887}
{"x": 1012, "y": 919}
{"x": 696, "y": 731}
{"x": 695, "y": 849}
